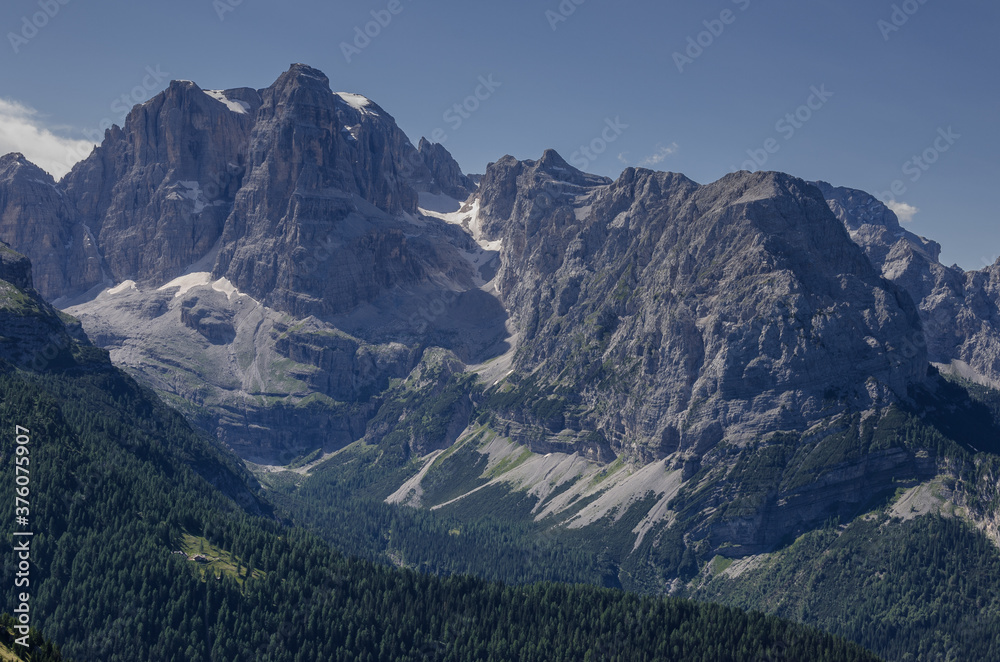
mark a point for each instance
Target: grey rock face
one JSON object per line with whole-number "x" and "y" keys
{"x": 36, "y": 216}
{"x": 312, "y": 229}
{"x": 157, "y": 192}
{"x": 959, "y": 311}
{"x": 446, "y": 175}
{"x": 672, "y": 315}
{"x": 292, "y": 192}
{"x": 305, "y": 201}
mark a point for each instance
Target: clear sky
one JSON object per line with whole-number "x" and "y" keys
{"x": 700, "y": 88}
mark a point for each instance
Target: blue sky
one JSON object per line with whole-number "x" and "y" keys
{"x": 868, "y": 94}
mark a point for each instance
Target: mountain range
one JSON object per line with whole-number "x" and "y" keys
{"x": 689, "y": 382}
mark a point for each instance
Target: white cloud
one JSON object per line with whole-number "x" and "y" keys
{"x": 22, "y": 130}
{"x": 658, "y": 156}
{"x": 903, "y": 211}
{"x": 623, "y": 157}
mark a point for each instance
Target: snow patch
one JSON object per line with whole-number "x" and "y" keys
{"x": 188, "y": 281}
{"x": 356, "y": 101}
{"x": 223, "y": 285}
{"x": 464, "y": 216}
{"x": 122, "y": 287}
{"x": 453, "y": 212}
{"x": 234, "y": 105}
{"x": 438, "y": 204}
{"x": 193, "y": 193}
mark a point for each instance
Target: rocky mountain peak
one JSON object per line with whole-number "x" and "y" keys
{"x": 224, "y": 179}
{"x": 13, "y": 161}
{"x": 743, "y": 304}
{"x": 325, "y": 172}
{"x": 512, "y": 189}
{"x": 302, "y": 74}
{"x": 445, "y": 174}
{"x": 556, "y": 167}
{"x": 872, "y": 224}
{"x": 156, "y": 193}
{"x": 36, "y": 217}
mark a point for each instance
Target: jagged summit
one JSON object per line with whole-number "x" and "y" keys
{"x": 13, "y": 159}
{"x": 194, "y": 172}
{"x": 37, "y": 218}
{"x": 16, "y": 165}
{"x": 446, "y": 175}
{"x": 299, "y": 70}
{"x": 743, "y": 304}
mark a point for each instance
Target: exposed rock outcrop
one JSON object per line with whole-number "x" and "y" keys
{"x": 157, "y": 192}
{"x": 960, "y": 311}
{"x": 446, "y": 175}
{"x": 37, "y": 218}
{"x": 672, "y": 315}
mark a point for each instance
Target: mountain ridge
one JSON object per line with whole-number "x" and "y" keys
{"x": 677, "y": 378}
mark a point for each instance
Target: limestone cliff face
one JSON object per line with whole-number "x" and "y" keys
{"x": 445, "y": 174}
{"x": 157, "y": 192}
{"x": 959, "y": 311}
{"x": 672, "y": 315}
{"x": 36, "y": 216}
{"x": 313, "y": 228}
{"x": 295, "y": 193}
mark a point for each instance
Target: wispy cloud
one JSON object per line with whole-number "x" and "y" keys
{"x": 657, "y": 157}
{"x": 23, "y": 130}
{"x": 903, "y": 211}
